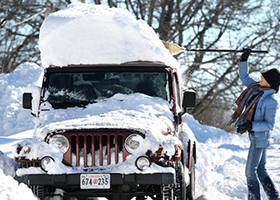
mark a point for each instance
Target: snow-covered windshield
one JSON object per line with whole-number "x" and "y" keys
{"x": 66, "y": 88}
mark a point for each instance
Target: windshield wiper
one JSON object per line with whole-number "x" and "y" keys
{"x": 65, "y": 104}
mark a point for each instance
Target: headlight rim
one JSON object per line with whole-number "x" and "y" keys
{"x": 128, "y": 148}
{"x": 43, "y": 159}
{"x": 145, "y": 157}
{"x": 61, "y": 136}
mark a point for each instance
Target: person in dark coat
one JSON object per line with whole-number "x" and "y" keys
{"x": 255, "y": 114}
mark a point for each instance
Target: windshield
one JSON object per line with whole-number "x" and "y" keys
{"x": 79, "y": 88}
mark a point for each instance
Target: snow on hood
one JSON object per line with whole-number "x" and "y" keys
{"x": 119, "y": 111}
{"x": 97, "y": 34}
{"x": 149, "y": 115}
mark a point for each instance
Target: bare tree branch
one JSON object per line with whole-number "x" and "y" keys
{"x": 25, "y": 20}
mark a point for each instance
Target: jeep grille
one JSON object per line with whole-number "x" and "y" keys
{"x": 100, "y": 147}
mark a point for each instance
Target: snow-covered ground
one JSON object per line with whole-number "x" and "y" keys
{"x": 221, "y": 163}
{"x": 221, "y": 156}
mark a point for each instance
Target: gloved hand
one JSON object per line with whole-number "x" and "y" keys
{"x": 245, "y": 54}
{"x": 244, "y": 127}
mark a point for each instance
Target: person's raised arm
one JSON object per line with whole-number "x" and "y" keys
{"x": 244, "y": 69}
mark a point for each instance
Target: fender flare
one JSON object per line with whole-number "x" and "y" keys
{"x": 191, "y": 154}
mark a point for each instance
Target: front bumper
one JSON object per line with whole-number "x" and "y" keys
{"x": 73, "y": 180}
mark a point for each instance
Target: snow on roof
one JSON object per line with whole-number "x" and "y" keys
{"x": 97, "y": 34}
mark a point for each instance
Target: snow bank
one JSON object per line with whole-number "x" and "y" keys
{"x": 13, "y": 118}
{"x": 97, "y": 34}
{"x": 221, "y": 161}
{"x": 10, "y": 189}
{"x": 276, "y": 129}
{"x": 7, "y": 165}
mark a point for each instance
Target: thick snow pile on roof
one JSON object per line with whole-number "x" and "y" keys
{"x": 97, "y": 34}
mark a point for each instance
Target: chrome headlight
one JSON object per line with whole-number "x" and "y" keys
{"x": 45, "y": 161}
{"x": 132, "y": 142}
{"x": 61, "y": 141}
{"x": 142, "y": 162}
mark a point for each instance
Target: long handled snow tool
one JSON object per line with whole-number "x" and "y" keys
{"x": 175, "y": 49}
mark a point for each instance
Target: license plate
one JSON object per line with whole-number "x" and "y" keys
{"x": 95, "y": 181}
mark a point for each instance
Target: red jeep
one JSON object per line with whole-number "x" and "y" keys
{"x": 109, "y": 154}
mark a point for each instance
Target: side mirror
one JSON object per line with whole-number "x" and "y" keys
{"x": 27, "y": 100}
{"x": 189, "y": 99}
{"x": 31, "y": 100}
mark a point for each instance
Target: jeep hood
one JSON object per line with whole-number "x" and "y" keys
{"x": 149, "y": 115}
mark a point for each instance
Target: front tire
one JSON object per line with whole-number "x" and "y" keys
{"x": 176, "y": 191}
{"x": 180, "y": 185}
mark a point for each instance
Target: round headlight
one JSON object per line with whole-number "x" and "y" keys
{"x": 45, "y": 161}
{"x": 61, "y": 141}
{"x": 132, "y": 142}
{"x": 142, "y": 162}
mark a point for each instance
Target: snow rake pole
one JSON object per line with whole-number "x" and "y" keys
{"x": 175, "y": 49}
{"x": 224, "y": 50}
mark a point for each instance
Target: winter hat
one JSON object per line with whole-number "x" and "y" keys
{"x": 272, "y": 76}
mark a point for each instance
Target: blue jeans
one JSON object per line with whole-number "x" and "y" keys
{"x": 256, "y": 171}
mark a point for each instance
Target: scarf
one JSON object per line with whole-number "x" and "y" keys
{"x": 247, "y": 114}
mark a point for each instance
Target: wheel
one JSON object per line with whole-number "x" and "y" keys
{"x": 175, "y": 191}
{"x": 180, "y": 185}
{"x": 166, "y": 192}
{"x": 191, "y": 186}
{"x": 47, "y": 193}
{"x": 38, "y": 190}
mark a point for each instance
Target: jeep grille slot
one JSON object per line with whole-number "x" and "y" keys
{"x": 96, "y": 149}
{"x": 27, "y": 164}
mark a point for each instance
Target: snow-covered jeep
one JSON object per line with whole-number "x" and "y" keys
{"x": 116, "y": 131}
{"x": 111, "y": 113}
